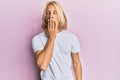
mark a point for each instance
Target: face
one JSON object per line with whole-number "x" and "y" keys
{"x": 51, "y": 14}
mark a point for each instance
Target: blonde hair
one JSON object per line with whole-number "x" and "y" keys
{"x": 61, "y": 16}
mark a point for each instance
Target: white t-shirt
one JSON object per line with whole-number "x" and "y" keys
{"x": 65, "y": 44}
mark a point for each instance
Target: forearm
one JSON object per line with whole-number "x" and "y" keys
{"x": 45, "y": 55}
{"x": 78, "y": 70}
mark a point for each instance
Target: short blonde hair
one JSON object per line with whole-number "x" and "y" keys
{"x": 61, "y": 16}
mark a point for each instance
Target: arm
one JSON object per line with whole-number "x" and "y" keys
{"x": 77, "y": 66}
{"x": 43, "y": 57}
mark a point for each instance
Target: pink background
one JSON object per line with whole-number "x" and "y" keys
{"x": 95, "y": 22}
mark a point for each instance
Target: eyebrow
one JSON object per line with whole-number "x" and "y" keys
{"x": 50, "y": 10}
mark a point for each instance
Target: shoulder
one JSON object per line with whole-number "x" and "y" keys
{"x": 37, "y": 36}
{"x": 69, "y": 34}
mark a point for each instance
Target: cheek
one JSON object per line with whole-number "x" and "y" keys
{"x": 47, "y": 17}
{"x": 56, "y": 18}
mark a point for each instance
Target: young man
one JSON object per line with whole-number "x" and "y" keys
{"x": 56, "y": 48}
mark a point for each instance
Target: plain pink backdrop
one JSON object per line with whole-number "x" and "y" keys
{"x": 95, "y": 22}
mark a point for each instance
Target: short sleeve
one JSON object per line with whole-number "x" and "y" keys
{"x": 37, "y": 44}
{"x": 75, "y": 45}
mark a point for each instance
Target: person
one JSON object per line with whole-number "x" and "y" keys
{"x": 56, "y": 49}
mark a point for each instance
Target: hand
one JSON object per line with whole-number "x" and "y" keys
{"x": 52, "y": 29}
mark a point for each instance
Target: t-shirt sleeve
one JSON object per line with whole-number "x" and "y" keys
{"x": 37, "y": 44}
{"x": 75, "y": 45}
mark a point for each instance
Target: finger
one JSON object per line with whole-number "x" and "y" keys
{"x": 53, "y": 25}
{"x": 48, "y": 25}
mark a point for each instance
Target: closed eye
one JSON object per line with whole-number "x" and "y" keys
{"x": 48, "y": 12}
{"x": 55, "y": 12}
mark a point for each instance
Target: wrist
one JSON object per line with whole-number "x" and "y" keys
{"x": 51, "y": 38}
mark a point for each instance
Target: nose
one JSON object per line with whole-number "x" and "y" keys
{"x": 51, "y": 16}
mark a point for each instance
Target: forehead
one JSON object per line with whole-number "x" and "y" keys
{"x": 51, "y": 7}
